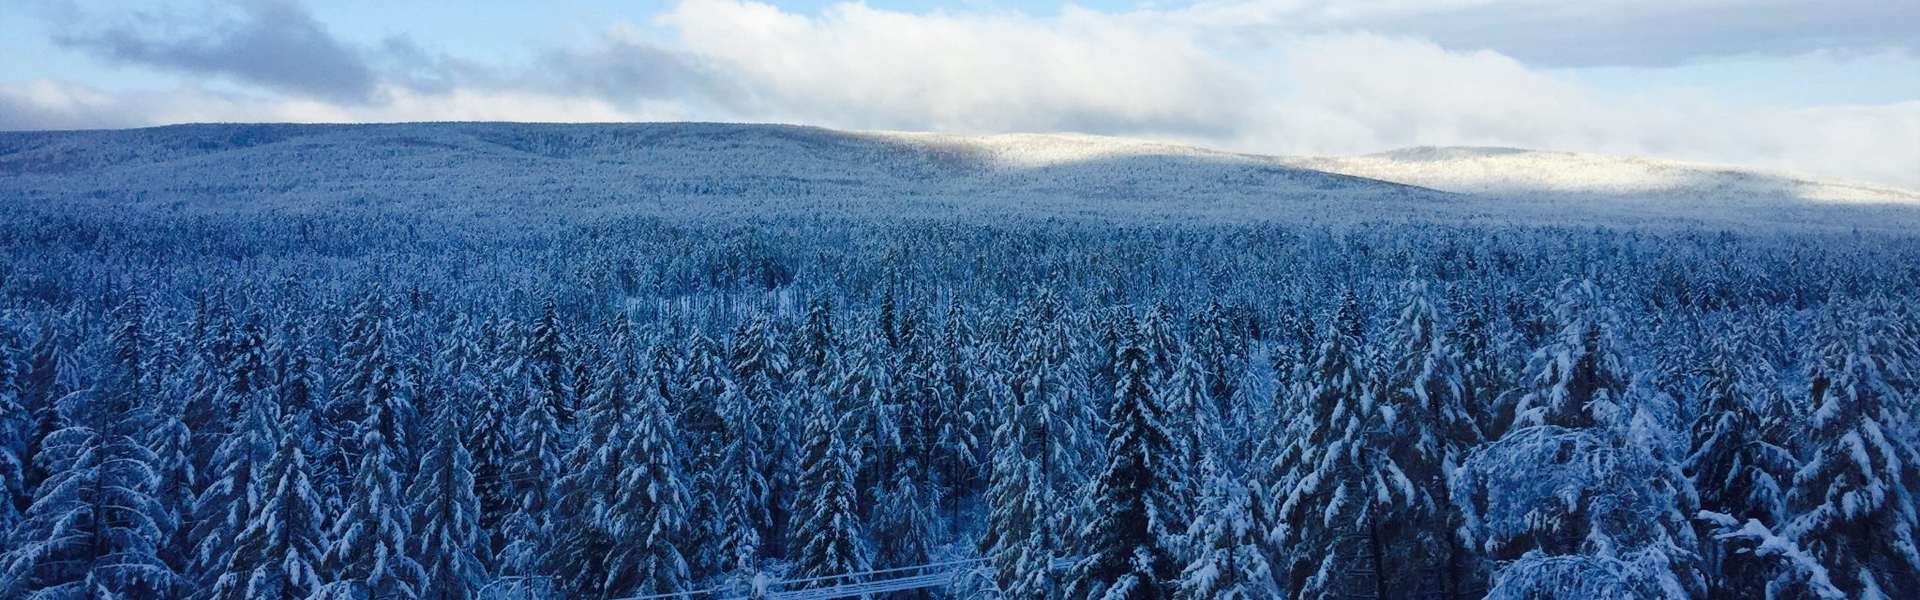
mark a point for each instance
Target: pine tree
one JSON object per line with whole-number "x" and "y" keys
{"x": 369, "y": 551}
{"x": 532, "y": 469}
{"x": 228, "y": 505}
{"x": 1580, "y": 497}
{"x": 211, "y": 408}
{"x": 15, "y": 424}
{"x": 1231, "y": 558}
{"x": 1036, "y": 447}
{"x": 546, "y": 366}
{"x": 758, "y": 368}
{"x": 40, "y": 392}
{"x": 693, "y": 381}
{"x": 649, "y": 512}
{"x": 1420, "y": 432}
{"x": 296, "y": 380}
{"x": 1323, "y": 492}
{"x": 1220, "y": 349}
{"x": 1735, "y": 468}
{"x": 963, "y": 421}
{"x": 488, "y": 437}
{"x": 1577, "y": 380}
{"x": 740, "y": 484}
{"x": 582, "y": 522}
{"x": 1853, "y": 498}
{"x": 1127, "y": 554}
{"x": 1193, "y": 424}
{"x": 176, "y": 481}
{"x": 446, "y": 515}
{"x": 94, "y": 529}
{"x": 281, "y": 553}
{"x": 827, "y": 520}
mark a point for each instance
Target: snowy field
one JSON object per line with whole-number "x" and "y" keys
{"x": 701, "y": 361}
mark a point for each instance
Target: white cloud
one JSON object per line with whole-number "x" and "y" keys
{"x": 859, "y": 66}
{"x": 1275, "y": 76}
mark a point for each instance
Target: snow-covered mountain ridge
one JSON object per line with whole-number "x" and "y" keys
{"x": 703, "y": 170}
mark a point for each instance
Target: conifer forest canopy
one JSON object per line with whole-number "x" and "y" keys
{"x": 337, "y": 397}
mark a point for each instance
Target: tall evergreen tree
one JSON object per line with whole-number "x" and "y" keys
{"x": 488, "y": 436}
{"x": 15, "y": 424}
{"x": 1036, "y": 446}
{"x": 1737, "y": 470}
{"x": 1420, "y": 432}
{"x": 1853, "y": 498}
{"x": 446, "y": 515}
{"x": 1577, "y": 379}
{"x": 40, "y": 392}
{"x": 1231, "y": 558}
{"x": 545, "y": 366}
{"x": 828, "y": 518}
{"x": 582, "y": 527}
{"x": 649, "y": 512}
{"x": 281, "y": 553}
{"x": 1127, "y": 551}
{"x": 370, "y": 552}
{"x": 758, "y": 365}
{"x": 533, "y": 467}
{"x": 94, "y": 529}
{"x": 1323, "y": 493}
{"x": 228, "y": 505}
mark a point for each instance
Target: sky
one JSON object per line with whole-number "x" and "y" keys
{"x": 1822, "y": 87}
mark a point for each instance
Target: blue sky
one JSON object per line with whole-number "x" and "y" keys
{"x": 1828, "y": 87}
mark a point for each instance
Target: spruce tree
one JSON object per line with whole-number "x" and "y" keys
{"x": 649, "y": 511}
{"x": 488, "y": 436}
{"x": 1853, "y": 499}
{"x": 370, "y": 552}
{"x": 40, "y": 391}
{"x": 1736, "y": 469}
{"x": 828, "y": 516}
{"x": 447, "y": 540}
{"x": 1323, "y": 495}
{"x": 281, "y": 553}
{"x": 94, "y": 529}
{"x": 532, "y": 469}
{"x": 1036, "y": 447}
{"x": 227, "y": 506}
{"x": 14, "y": 426}
{"x": 963, "y": 421}
{"x": 1231, "y": 558}
{"x": 693, "y": 379}
{"x": 1419, "y": 433}
{"x": 1577, "y": 380}
{"x": 545, "y": 366}
{"x": 740, "y": 484}
{"x": 583, "y": 525}
{"x": 1127, "y": 555}
{"x": 758, "y": 365}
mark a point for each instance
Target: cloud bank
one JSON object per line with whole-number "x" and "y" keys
{"x": 1276, "y": 76}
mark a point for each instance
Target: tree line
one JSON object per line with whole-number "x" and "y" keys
{"x": 1219, "y": 413}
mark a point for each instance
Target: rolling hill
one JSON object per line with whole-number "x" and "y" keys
{"x": 723, "y": 171}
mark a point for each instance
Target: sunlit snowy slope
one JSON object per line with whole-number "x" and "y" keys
{"x": 1624, "y": 187}
{"x": 694, "y": 170}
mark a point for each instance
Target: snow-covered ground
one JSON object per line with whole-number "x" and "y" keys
{"x": 697, "y": 170}
{"x": 1629, "y": 185}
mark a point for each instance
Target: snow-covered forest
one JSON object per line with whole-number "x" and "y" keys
{"x": 355, "y": 404}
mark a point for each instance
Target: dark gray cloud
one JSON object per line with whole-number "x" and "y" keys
{"x": 621, "y": 70}
{"x": 272, "y": 43}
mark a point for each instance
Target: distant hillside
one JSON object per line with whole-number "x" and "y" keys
{"x": 722, "y": 171}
